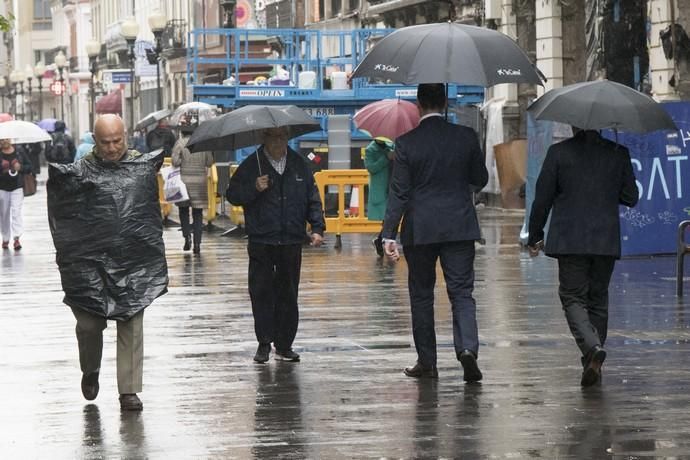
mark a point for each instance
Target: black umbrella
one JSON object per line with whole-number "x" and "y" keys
{"x": 448, "y": 53}
{"x": 245, "y": 127}
{"x": 152, "y": 118}
{"x": 602, "y": 104}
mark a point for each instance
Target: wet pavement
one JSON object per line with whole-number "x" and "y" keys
{"x": 204, "y": 398}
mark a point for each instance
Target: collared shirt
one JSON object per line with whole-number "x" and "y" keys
{"x": 278, "y": 165}
{"x": 433, "y": 114}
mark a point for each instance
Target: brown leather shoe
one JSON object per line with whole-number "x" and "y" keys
{"x": 89, "y": 385}
{"x": 130, "y": 402}
{"x": 420, "y": 372}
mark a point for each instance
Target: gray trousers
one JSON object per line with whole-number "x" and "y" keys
{"x": 130, "y": 348}
{"x": 584, "y": 292}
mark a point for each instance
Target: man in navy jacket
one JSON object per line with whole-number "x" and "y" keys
{"x": 436, "y": 168}
{"x": 276, "y": 188}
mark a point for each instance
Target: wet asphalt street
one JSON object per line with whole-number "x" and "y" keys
{"x": 205, "y": 398}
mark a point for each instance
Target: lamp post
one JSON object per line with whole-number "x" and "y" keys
{"x": 29, "y": 71}
{"x": 17, "y": 78}
{"x": 229, "y": 10}
{"x": 129, "y": 30}
{"x": 93, "y": 49}
{"x": 3, "y": 86}
{"x": 39, "y": 71}
{"x": 60, "y": 61}
{"x": 157, "y": 22}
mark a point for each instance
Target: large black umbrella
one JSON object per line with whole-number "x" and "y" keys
{"x": 245, "y": 127}
{"x": 448, "y": 53}
{"x": 602, "y": 104}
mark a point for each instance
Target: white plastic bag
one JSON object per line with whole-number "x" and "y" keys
{"x": 174, "y": 189}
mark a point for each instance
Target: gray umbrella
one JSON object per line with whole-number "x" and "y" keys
{"x": 448, "y": 53}
{"x": 153, "y": 118}
{"x": 602, "y": 104}
{"x": 244, "y": 127}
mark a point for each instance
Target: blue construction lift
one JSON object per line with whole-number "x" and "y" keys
{"x": 245, "y": 53}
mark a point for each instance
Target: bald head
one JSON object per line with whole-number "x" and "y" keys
{"x": 109, "y": 134}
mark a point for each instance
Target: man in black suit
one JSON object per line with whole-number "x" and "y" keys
{"x": 436, "y": 166}
{"x": 583, "y": 179}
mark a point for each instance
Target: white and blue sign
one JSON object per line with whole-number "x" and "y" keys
{"x": 661, "y": 163}
{"x": 121, "y": 76}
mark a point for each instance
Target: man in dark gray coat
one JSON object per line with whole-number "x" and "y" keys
{"x": 277, "y": 190}
{"x": 582, "y": 182}
{"x": 437, "y": 166}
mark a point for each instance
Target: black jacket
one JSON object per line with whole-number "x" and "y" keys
{"x": 279, "y": 214}
{"x": 436, "y": 165}
{"x": 161, "y": 137}
{"x": 582, "y": 182}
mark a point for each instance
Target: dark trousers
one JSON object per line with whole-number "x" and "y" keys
{"x": 274, "y": 272}
{"x": 457, "y": 263}
{"x": 196, "y": 227}
{"x": 584, "y": 292}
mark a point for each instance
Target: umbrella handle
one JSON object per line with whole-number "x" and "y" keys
{"x": 258, "y": 162}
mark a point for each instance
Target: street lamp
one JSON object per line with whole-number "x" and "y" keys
{"x": 39, "y": 71}
{"x": 60, "y": 61}
{"x": 17, "y": 77}
{"x": 29, "y": 71}
{"x": 93, "y": 49}
{"x": 229, "y": 10}
{"x": 129, "y": 30}
{"x": 157, "y": 22}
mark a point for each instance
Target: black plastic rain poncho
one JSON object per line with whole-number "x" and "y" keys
{"x": 106, "y": 224}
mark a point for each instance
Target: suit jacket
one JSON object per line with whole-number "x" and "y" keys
{"x": 582, "y": 182}
{"x": 436, "y": 166}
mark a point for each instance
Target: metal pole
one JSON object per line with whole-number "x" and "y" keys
{"x": 62, "y": 96}
{"x": 158, "y": 50}
{"x": 40, "y": 98}
{"x": 92, "y": 90}
{"x": 31, "y": 110}
{"x": 21, "y": 93}
{"x": 131, "y": 88}
{"x": 159, "y": 93}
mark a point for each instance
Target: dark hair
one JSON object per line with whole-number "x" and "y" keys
{"x": 431, "y": 95}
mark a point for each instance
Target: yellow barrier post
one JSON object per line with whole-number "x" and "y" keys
{"x": 166, "y": 208}
{"x": 213, "y": 195}
{"x": 344, "y": 223}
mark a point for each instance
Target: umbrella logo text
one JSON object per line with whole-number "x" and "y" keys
{"x": 509, "y": 72}
{"x": 386, "y": 68}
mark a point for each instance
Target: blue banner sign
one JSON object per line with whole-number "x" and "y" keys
{"x": 662, "y": 168}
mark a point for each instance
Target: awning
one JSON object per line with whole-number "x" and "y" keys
{"x": 110, "y": 103}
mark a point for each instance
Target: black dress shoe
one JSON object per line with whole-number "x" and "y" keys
{"x": 89, "y": 386}
{"x": 287, "y": 355}
{"x": 471, "y": 372}
{"x": 187, "y": 243}
{"x": 130, "y": 402}
{"x": 592, "y": 373}
{"x": 420, "y": 372}
{"x": 262, "y": 353}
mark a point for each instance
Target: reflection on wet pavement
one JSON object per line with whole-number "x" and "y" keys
{"x": 204, "y": 398}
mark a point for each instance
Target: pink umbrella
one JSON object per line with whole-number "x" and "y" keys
{"x": 389, "y": 118}
{"x": 5, "y": 117}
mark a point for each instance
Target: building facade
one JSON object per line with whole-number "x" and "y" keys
{"x": 641, "y": 43}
